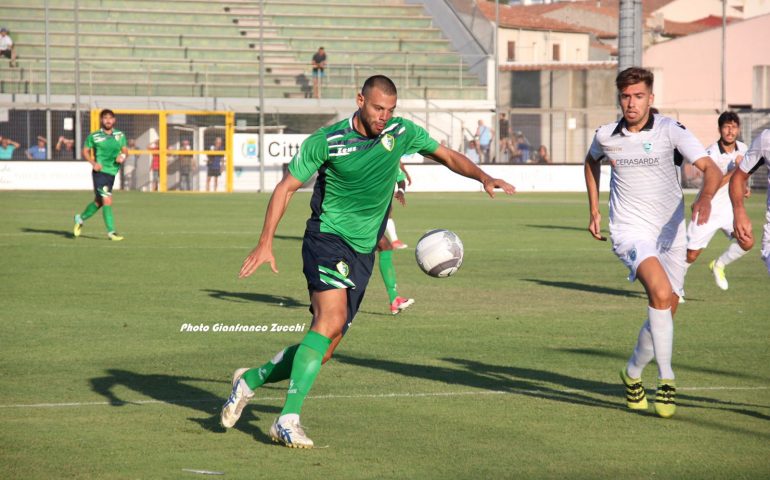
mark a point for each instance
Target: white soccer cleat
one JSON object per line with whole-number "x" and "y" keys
{"x": 400, "y": 304}
{"x": 231, "y": 411}
{"x": 719, "y": 274}
{"x": 291, "y": 434}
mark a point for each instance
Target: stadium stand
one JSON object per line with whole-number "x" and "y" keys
{"x": 201, "y": 48}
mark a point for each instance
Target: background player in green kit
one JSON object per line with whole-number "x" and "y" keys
{"x": 357, "y": 161}
{"x": 385, "y": 248}
{"x": 105, "y": 149}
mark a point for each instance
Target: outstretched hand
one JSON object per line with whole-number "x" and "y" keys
{"x": 257, "y": 257}
{"x": 491, "y": 184}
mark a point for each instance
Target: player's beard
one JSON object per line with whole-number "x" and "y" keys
{"x": 367, "y": 126}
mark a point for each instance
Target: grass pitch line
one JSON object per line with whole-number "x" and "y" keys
{"x": 372, "y": 395}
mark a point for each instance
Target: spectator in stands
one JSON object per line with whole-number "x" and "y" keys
{"x": 39, "y": 151}
{"x": 319, "y": 64}
{"x": 7, "y": 146}
{"x": 186, "y": 167}
{"x": 483, "y": 141}
{"x": 504, "y": 126}
{"x": 155, "y": 166}
{"x": 214, "y": 164}
{"x": 7, "y": 49}
{"x": 65, "y": 148}
{"x": 541, "y": 156}
{"x": 522, "y": 144}
{"x": 472, "y": 151}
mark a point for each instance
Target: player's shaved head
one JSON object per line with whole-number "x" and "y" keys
{"x": 380, "y": 82}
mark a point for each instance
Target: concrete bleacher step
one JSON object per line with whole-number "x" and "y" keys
{"x": 198, "y": 47}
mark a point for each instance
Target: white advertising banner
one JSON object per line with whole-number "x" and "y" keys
{"x": 46, "y": 176}
{"x": 279, "y": 150}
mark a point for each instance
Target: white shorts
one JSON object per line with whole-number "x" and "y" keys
{"x": 632, "y": 248}
{"x": 699, "y": 236}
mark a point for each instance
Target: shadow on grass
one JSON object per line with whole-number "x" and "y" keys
{"x": 559, "y": 227}
{"x": 584, "y": 287}
{"x": 688, "y": 399}
{"x": 241, "y": 297}
{"x": 288, "y": 237}
{"x": 60, "y": 233}
{"x": 175, "y": 390}
{"x": 501, "y": 378}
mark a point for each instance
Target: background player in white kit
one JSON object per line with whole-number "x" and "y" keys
{"x": 647, "y": 220}
{"x": 758, "y": 154}
{"x": 727, "y": 153}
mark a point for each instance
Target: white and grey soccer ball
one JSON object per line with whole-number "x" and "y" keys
{"x": 439, "y": 253}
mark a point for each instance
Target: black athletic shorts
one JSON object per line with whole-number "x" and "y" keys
{"x": 329, "y": 263}
{"x": 102, "y": 184}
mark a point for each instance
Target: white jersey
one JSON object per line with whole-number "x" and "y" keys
{"x": 726, "y": 162}
{"x": 758, "y": 154}
{"x": 645, "y": 194}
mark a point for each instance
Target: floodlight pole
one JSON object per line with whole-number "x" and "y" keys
{"x": 723, "y": 102}
{"x": 261, "y": 99}
{"x": 495, "y": 119}
{"x": 47, "y": 87}
{"x": 78, "y": 126}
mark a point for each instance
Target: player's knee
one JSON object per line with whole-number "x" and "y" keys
{"x": 107, "y": 201}
{"x": 661, "y": 298}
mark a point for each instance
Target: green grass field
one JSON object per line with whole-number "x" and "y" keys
{"x": 507, "y": 370}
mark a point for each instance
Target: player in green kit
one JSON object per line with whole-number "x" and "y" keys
{"x": 356, "y": 160}
{"x": 385, "y": 248}
{"x": 105, "y": 149}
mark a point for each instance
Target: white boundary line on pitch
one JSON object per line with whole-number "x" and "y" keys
{"x": 357, "y": 396}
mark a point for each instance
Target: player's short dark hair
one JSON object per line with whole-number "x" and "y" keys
{"x": 105, "y": 112}
{"x": 632, "y": 76}
{"x": 381, "y": 82}
{"x": 727, "y": 117}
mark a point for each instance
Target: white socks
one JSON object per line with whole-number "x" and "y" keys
{"x": 656, "y": 339}
{"x": 390, "y": 230}
{"x": 733, "y": 253}
{"x": 643, "y": 353}
{"x": 289, "y": 417}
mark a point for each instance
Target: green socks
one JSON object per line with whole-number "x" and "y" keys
{"x": 109, "y": 221}
{"x": 307, "y": 364}
{"x": 89, "y": 211}
{"x": 388, "y": 272}
{"x": 277, "y": 369}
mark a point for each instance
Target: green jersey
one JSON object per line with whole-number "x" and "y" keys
{"x": 356, "y": 175}
{"x": 106, "y": 149}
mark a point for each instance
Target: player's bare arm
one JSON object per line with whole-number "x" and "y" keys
{"x": 89, "y": 156}
{"x": 741, "y": 223}
{"x": 593, "y": 174}
{"x": 263, "y": 252}
{"x": 122, "y": 155}
{"x": 401, "y": 193}
{"x": 462, "y": 165}
{"x": 712, "y": 176}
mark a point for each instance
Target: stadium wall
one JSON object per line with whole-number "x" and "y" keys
{"x": 425, "y": 177}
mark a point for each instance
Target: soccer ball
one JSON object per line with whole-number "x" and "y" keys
{"x": 439, "y": 253}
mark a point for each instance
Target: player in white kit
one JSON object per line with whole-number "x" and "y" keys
{"x": 647, "y": 220}
{"x": 727, "y": 153}
{"x": 758, "y": 154}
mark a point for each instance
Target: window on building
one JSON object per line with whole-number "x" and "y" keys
{"x": 556, "y": 52}
{"x": 511, "y": 51}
